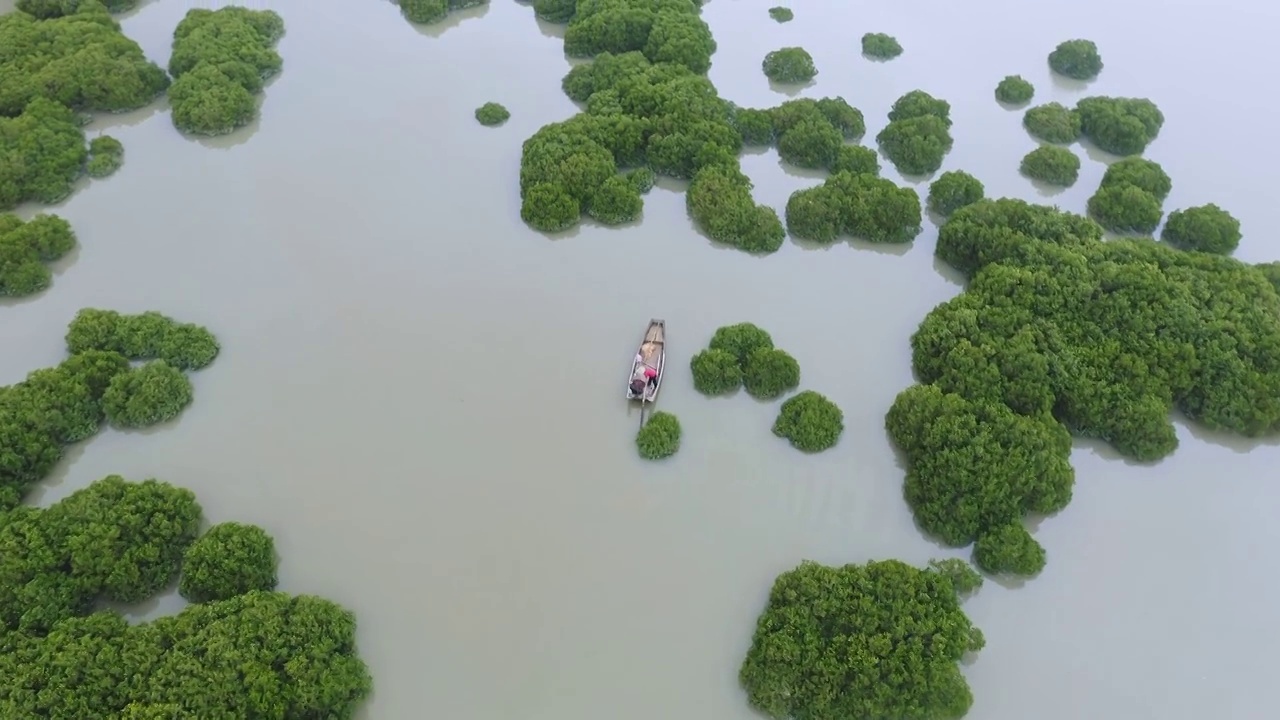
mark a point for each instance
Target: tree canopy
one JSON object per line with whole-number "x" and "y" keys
{"x": 491, "y": 114}
{"x": 856, "y": 204}
{"x": 953, "y": 190}
{"x": 740, "y": 340}
{"x": 426, "y": 12}
{"x": 789, "y": 65}
{"x": 918, "y": 135}
{"x": 230, "y": 559}
{"x": 659, "y": 437}
{"x": 810, "y": 421}
{"x": 140, "y": 397}
{"x": 1120, "y": 126}
{"x": 880, "y": 46}
{"x": 220, "y": 60}
{"x": 1053, "y": 123}
{"x": 781, "y": 14}
{"x": 1076, "y": 59}
{"x": 716, "y": 372}
{"x": 106, "y": 155}
{"x": 1051, "y": 164}
{"x": 1059, "y": 332}
{"x": 769, "y": 373}
{"x": 1207, "y": 228}
{"x": 46, "y": 151}
{"x": 880, "y": 640}
{"x": 1015, "y": 90}
{"x": 144, "y": 336}
{"x": 26, "y": 248}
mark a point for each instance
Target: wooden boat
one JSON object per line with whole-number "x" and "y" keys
{"x": 652, "y": 353}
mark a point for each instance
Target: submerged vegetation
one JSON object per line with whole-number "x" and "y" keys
{"x": 1076, "y": 59}
{"x": 880, "y": 46}
{"x": 106, "y": 155}
{"x": 810, "y": 421}
{"x": 789, "y": 65}
{"x": 659, "y": 437}
{"x": 220, "y": 60}
{"x": 781, "y": 14}
{"x": 918, "y": 135}
{"x": 491, "y": 114}
{"x": 1206, "y": 228}
{"x": 27, "y": 248}
{"x": 890, "y": 638}
{"x": 953, "y": 190}
{"x": 1015, "y": 90}
{"x": 1052, "y": 165}
{"x": 1060, "y": 333}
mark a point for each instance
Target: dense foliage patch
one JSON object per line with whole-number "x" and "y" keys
{"x": 1059, "y": 332}
{"x": 660, "y": 436}
{"x": 770, "y": 372}
{"x": 857, "y": 204}
{"x": 25, "y": 248}
{"x": 144, "y": 396}
{"x": 1207, "y": 228}
{"x": 1120, "y": 126}
{"x": 740, "y": 340}
{"x": 781, "y": 14}
{"x": 1053, "y": 123}
{"x": 45, "y": 149}
{"x": 426, "y": 12}
{"x": 1141, "y": 173}
{"x": 492, "y": 113}
{"x": 953, "y": 190}
{"x": 1051, "y": 164}
{"x": 716, "y": 372}
{"x": 1009, "y": 550}
{"x": 666, "y": 31}
{"x": 789, "y": 65}
{"x": 1076, "y": 59}
{"x": 220, "y": 60}
{"x": 918, "y": 135}
{"x": 1130, "y": 196}
{"x": 880, "y": 46}
{"x": 229, "y": 559}
{"x": 880, "y": 640}
{"x": 106, "y": 155}
{"x": 1015, "y": 90}
{"x": 144, "y": 336}
{"x": 617, "y": 201}
{"x": 810, "y": 421}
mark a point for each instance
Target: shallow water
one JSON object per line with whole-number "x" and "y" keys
{"x": 421, "y": 398}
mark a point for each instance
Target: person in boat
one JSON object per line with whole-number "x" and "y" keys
{"x": 639, "y": 359}
{"x": 637, "y": 386}
{"x": 652, "y": 376}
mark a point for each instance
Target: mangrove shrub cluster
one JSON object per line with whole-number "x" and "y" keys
{"x": 1131, "y": 196}
{"x": 429, "y": 11}
{"x": 27, "y": 247}
{"x": 880, "y": 640}
{"x": 659, "y": 437}
{"x": 230, "y": 559}
{"x": 1052, "y": 165}
{"x": 1120, "y": 126}
{"x": 45, "y": 9}
{"x": 1015, "y": 90}
{"x": 781, "y": 14}
{"x": 744, "y": 354}
{"x": 147, "y": 395}
{"x": 1207, "y": 228}
{"x": 953, "y": 190}
{"x": 1076, "y": 59}
{"x": 220, "y": 60}
{"x": 880, "y": 46}
{"x": 106, "y": 155}
{"x": 1053, "y": 123}
{"x": 857, "y": 204}
{"x": 259, "y": 654}
{"x": 918, "y": 135}
{"x": 492, "y": 113}
{"x": 1057, "y": 333}
{"x": 145, "y": 336}
{"x": 810, "y": 421}
{"x": 46, "y": 153}
{"x": 789, "y": 65}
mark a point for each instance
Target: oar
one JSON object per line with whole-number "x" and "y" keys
{"x": 642, "y": 398}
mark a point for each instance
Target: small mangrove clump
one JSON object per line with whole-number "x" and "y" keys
{"x": 1131, "y": 195}
{"x": 859, "y": 205}
{"x": 810, "y": 421}
{"x": 740, "y": 341}
{"x": 1206, "y": 228}
{"x": 880, "y": 46}
{"x": 849, "y": 617}
{"x": 106, "y": 155}
{"x": 1076, "y": 59}
{"x": 769, "y": 373}
{"x": 425, "y": 12}
{"x": 230, "y": 559}
{"x": 27, "y": 248}
{"x": 918, "y": 135}
{"x": 953, "y": 190}
{"x": 1052, "y": 165}
{"x": 812, "y": 133}
{"x": 220, "y": 60}
{"x": 148, "y": 395}
{"x": 145, "y": 336}
{"x": 1009, "y": 550}
{"x": 1052, "y": 123}
{"x": 781, "y": 14}
{"x": 1015, "y": 90}
{"x": 617, "y": 201}
{"x": 789, "y": 65}
{"x": 660, "y": 436}
{"x": 1120, "y": 126}
{"x": 491, "y": 114}
{"x": 716, "y": 372}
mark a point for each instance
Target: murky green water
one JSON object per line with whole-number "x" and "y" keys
{"x": 420, "y": 397}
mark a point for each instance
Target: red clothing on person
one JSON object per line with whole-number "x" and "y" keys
{"x": 650, "y": 372}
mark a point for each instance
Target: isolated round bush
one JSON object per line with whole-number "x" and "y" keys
{"x": 953, "y": 190}
{"x": 144, "y": 396}
{"x": 810, "y": 421}
{"x": 1120, "y": 126}
{"x": 781, "y": 14}
{"x": 880, "y": 46}
{"x": 1125, "y": 208}
{"x": 660, "y": 436}
{"x": 917, "y": 145}
{"x": 1053, "y": 123}
{"x": 1139, "y": 172}
{"x": 1207, "y": 228}
{"x": 856, "y": 159}
{"x": 1015, "y": 90}
{"x": 715, "y": 372}
{"x": 740, "y": 341}
{"x": 1009, "y": 550}
{"x": 230, "y": 559}
{"x": 810, "y": 144}
{"x": 1076, "y": 59}
{"x": 789, "y": 65}
{"x": 491, "y": 113}
{"x": 616, "y": 202}
{"x": 1051, "y": 164}
{"x": 548, "y": 207}
{"x": 770, "y": 372}
{"x": 106, "y": 155}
